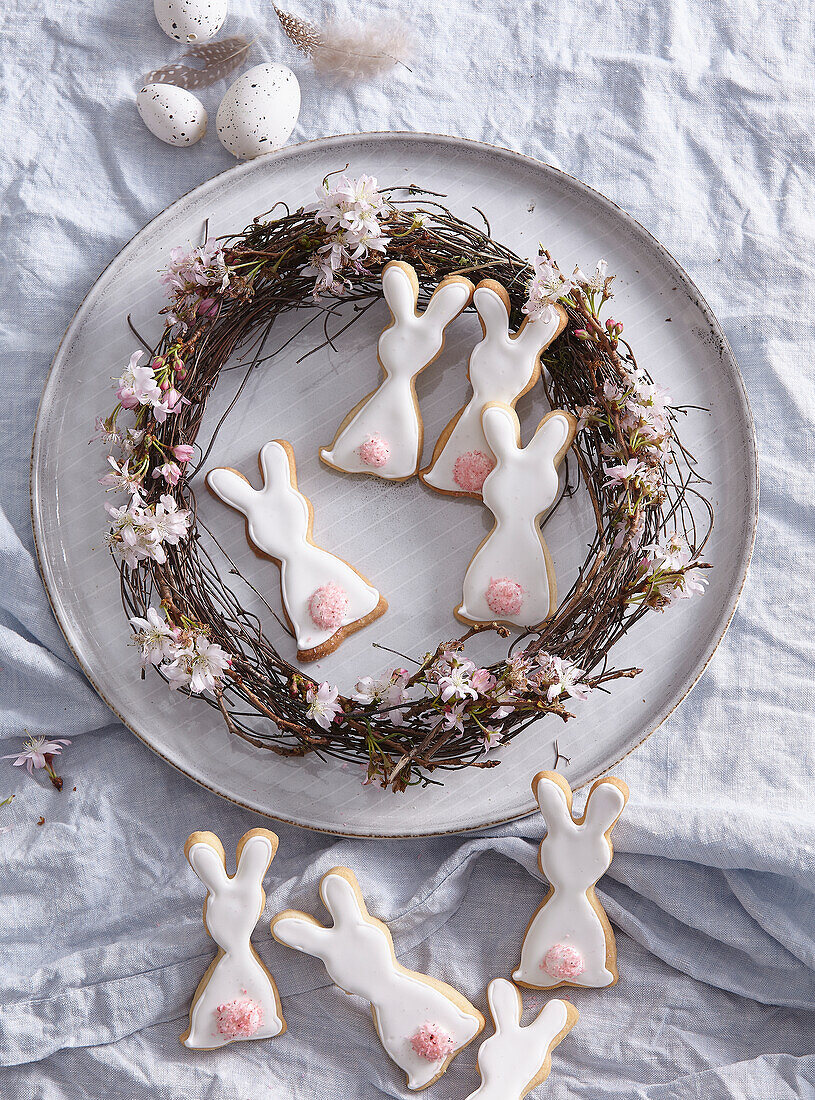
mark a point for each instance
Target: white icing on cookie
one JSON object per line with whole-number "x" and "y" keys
{"x": 232, "y": 910}
{"x": 390, "y": 414}
{"x": 519, "y": 490}
{"x": 573, "y": 856}
{"x": 502, "y": 367}
{"x": 511, "y": 1059}
{"x": 279, "y": 521}
{"x": 358, "y": 955}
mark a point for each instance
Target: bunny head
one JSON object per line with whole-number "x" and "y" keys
{"x": 415, "y": 339}
{"x": 513, "y": 359}
{"x": 531, "y": 470}
{"x": 234, "y": 903}
{"x": 576, "y": 853}
{"x": 357, "y": 950}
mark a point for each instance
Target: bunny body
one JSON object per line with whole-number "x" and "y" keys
{"x": 502, "y": 368}
{"x": 231, "y": 912}
{"x": 279, "y": 521}
{"x": 573, "y": 856}
{"x": 358, "y": 954}
{"x": 522, "y": 486}
{"x": 517, "y": 1059}
{"x": 410, "y": 343}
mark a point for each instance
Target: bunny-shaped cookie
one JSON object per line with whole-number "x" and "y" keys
{"x": 422, "y": 1023}
{"x": 237, "y": 997}
{"x": 324, "y": 598}
{"x": 383, "y": 434}
{"x": 511, "y": 578}
{"x": 502, "y": 368}
{"x": 569, "y": 941}
{"x": 517, "y": 1059}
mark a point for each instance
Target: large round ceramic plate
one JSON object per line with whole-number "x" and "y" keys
{"x": 411, "y": 542}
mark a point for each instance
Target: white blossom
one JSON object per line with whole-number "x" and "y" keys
{"x": 324, "y": 704}
{"x": 546, "y": 286}
{"x": 156, "y": 637}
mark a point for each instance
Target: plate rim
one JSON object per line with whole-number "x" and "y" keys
{"x": 751, "y": 466}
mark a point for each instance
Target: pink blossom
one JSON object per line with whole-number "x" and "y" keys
{"x": 451, "y": 718}
{"x": 482, "y": 680}
{"x": 324, "y": 705}
{"x": 633, "y": 470}
{"x": 170, "y": 471}
{"x": 120, "y": 478}
{"x": 183, "y": 452}
{"x": 137, "y": 385}
{"x": 34, "y": 750}
{"x": 546, "y": 286}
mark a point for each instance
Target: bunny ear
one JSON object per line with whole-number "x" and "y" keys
{"x": 401, "y": 289}
{"x": 550, "y": 1022}
{"x": 502, "y": 429}
{"x": 538, "y": 334}
{"x": 553, "y": 801}
{"x": 301, "y": 932}
{"x": 448, "y": 300}
{"x": 492, "y": 309}
{"x": 232, "y": 488}
{"x": 505, "y": 1003}
{"x": 275, "y": 465}
{"x": 552, "y": 436}
{"x": 341, "y": 897}
{"x": 255, "y": 853}
{"x": 208, "y": 864}
{"x": 606, "y": 802}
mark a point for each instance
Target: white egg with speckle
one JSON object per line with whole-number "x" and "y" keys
{"x": 172, "y": 114}
{"x": 190, "y": 20}
{"x": 258, "y": 113}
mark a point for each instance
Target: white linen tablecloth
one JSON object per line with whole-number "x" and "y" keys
{"x": 698, "y": 119}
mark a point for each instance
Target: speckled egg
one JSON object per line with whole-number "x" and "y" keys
{"x": 172, "y": 114}
{"x": 190, "y": 20}
{"x": 259, "y": 111}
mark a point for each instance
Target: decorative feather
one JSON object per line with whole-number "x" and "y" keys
{"x": 219, "y": 60}
{"x": 348, "y": 52}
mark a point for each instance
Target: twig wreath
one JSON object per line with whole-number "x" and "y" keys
{"x": 652, "y": 519}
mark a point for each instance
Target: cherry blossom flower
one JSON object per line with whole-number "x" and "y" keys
{"x": 482, "y": 680}
{"x": 324, "y": 705}
{"x": 546, "y": 286}
{"x": 38, "y": 752}
{"x": 558, "y": 677}
{"x": 672, "y": 555}
{"x": 454, "y": 678}
{"x": 450, "y": 718}
{"x": 34, "y": 750}
{"x": 352, "y": 204}
{"x": 198, "y": 666}
{"x": 138, "y": 531}
{"x": 105, "y": 430}
{"x": 183, "y": 452}
{"x": 668, "y": 574}
{"x": 170, "y": 471}
{"x": 351, "y": 211}
{"x": 156, "y": 637}
{"x": 387, "y": 691}
{"x": 137, "y": 385}
{"x": 170, "y": 523}
{"x": 170, "y": 403}
{"x": 595, "y": 282}
{"x": 626, "y": 473}
{"x": 131, "y": 441}
{"x": 191, "y": 277}
{"x": 121, "y": 478}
